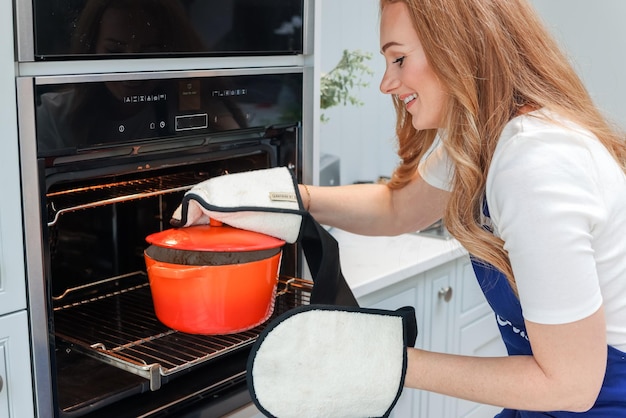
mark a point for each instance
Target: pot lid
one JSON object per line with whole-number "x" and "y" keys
{"x": 213, "y": 238}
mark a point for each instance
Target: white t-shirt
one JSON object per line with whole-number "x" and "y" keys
{"x": 558, "y": 200}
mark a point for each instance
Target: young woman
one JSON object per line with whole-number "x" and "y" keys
{"x": 498, "y": 136}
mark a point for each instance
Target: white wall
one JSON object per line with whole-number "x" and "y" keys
{"x": 592, "y": 33}
{"x": 362, "y": 136}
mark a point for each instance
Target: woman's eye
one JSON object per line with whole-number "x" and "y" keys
{"x": 399, "y": 61}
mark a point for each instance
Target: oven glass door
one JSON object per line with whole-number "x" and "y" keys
{"x": 112, "y": 356}
{"x": 82, "y": 29}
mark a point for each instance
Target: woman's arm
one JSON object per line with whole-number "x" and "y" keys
{"x": 565, "y": 372}
{"x": 375, "y": 209}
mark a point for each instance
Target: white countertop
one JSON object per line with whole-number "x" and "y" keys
{"x": 372, "y": 263}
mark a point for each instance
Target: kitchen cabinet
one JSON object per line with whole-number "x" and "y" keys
{"x": 409, "y": 294}
{"x": 12, "y": 281}
{"x": 474, "y": 332}
{"x": 452, "y": 317}
{"x": 16, "y": 398}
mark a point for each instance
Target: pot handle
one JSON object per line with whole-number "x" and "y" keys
{"x": 322, "y": 254}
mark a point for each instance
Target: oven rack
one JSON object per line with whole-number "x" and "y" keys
{"x": 119, "y": 327}
{"x": 90, "y": 196}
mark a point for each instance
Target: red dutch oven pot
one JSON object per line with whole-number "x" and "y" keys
{"x": 212, "y": 279}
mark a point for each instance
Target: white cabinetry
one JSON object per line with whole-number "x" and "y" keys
{"x": 452, "y": 317}
{"x": 474, "y": 332}
{"x": 12, "y": 281}
{"x": 409, "y": 294}
{"x": 15, "y": 382}
{"x": 16, "y": 398}
{"x": 439, "y": 300}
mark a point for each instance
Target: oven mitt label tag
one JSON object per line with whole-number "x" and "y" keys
{"x": 283, "y": 197}
{"x": 328, "y": 361}
{"x": 265, "y": 201}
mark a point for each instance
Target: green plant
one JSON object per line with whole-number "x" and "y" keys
{"x": 337, "y": 85}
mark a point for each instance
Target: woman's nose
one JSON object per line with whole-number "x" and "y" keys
{"x": 388, "y": 83}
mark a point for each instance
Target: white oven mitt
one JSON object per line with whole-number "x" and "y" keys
{"x": 265, "y": 201}
{"x": 321, "y": 361}
{"x": 268, "y": 201}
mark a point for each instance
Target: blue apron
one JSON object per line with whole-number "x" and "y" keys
{"x": 612, "y": 399}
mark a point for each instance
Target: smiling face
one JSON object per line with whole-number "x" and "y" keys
{"x": 408, "y": 74}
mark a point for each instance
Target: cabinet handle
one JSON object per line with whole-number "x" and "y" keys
{"x": 1, "y": 383}
{"x": 445, "y": 293}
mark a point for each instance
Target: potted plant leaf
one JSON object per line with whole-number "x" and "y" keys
{"x": 337, "y": 86}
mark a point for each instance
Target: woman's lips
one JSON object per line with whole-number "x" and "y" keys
{"x": 408, "y": 100}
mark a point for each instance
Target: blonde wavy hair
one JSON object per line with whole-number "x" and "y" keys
{"x": 494, "y": 57}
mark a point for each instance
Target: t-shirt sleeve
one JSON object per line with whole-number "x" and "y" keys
{"x": 545, "y": 200}
{"x": 436, "y": 168}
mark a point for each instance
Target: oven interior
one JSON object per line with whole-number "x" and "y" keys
{"x": 112, "y": 357}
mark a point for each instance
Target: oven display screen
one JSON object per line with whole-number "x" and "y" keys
{"x": 79, "y": 29}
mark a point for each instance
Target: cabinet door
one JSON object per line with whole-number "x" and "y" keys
{"x": 475, "y": 334}
{"x": 439, "y": 304}
{"x": 12, "y": 278}
{"x": 408, "y": 404}
{"x": 471, "y": 304}
{"x": 480, "y": 338}
{"x": 16, "y": 399}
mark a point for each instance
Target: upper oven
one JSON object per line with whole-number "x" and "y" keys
{"x": 105, "y": 160}
{"x": 113, "y": 29}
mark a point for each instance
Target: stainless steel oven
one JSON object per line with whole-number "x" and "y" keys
{"x": 105, "y": 160}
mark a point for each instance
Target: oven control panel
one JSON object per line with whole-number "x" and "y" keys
{"x": 94, "y": 115}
